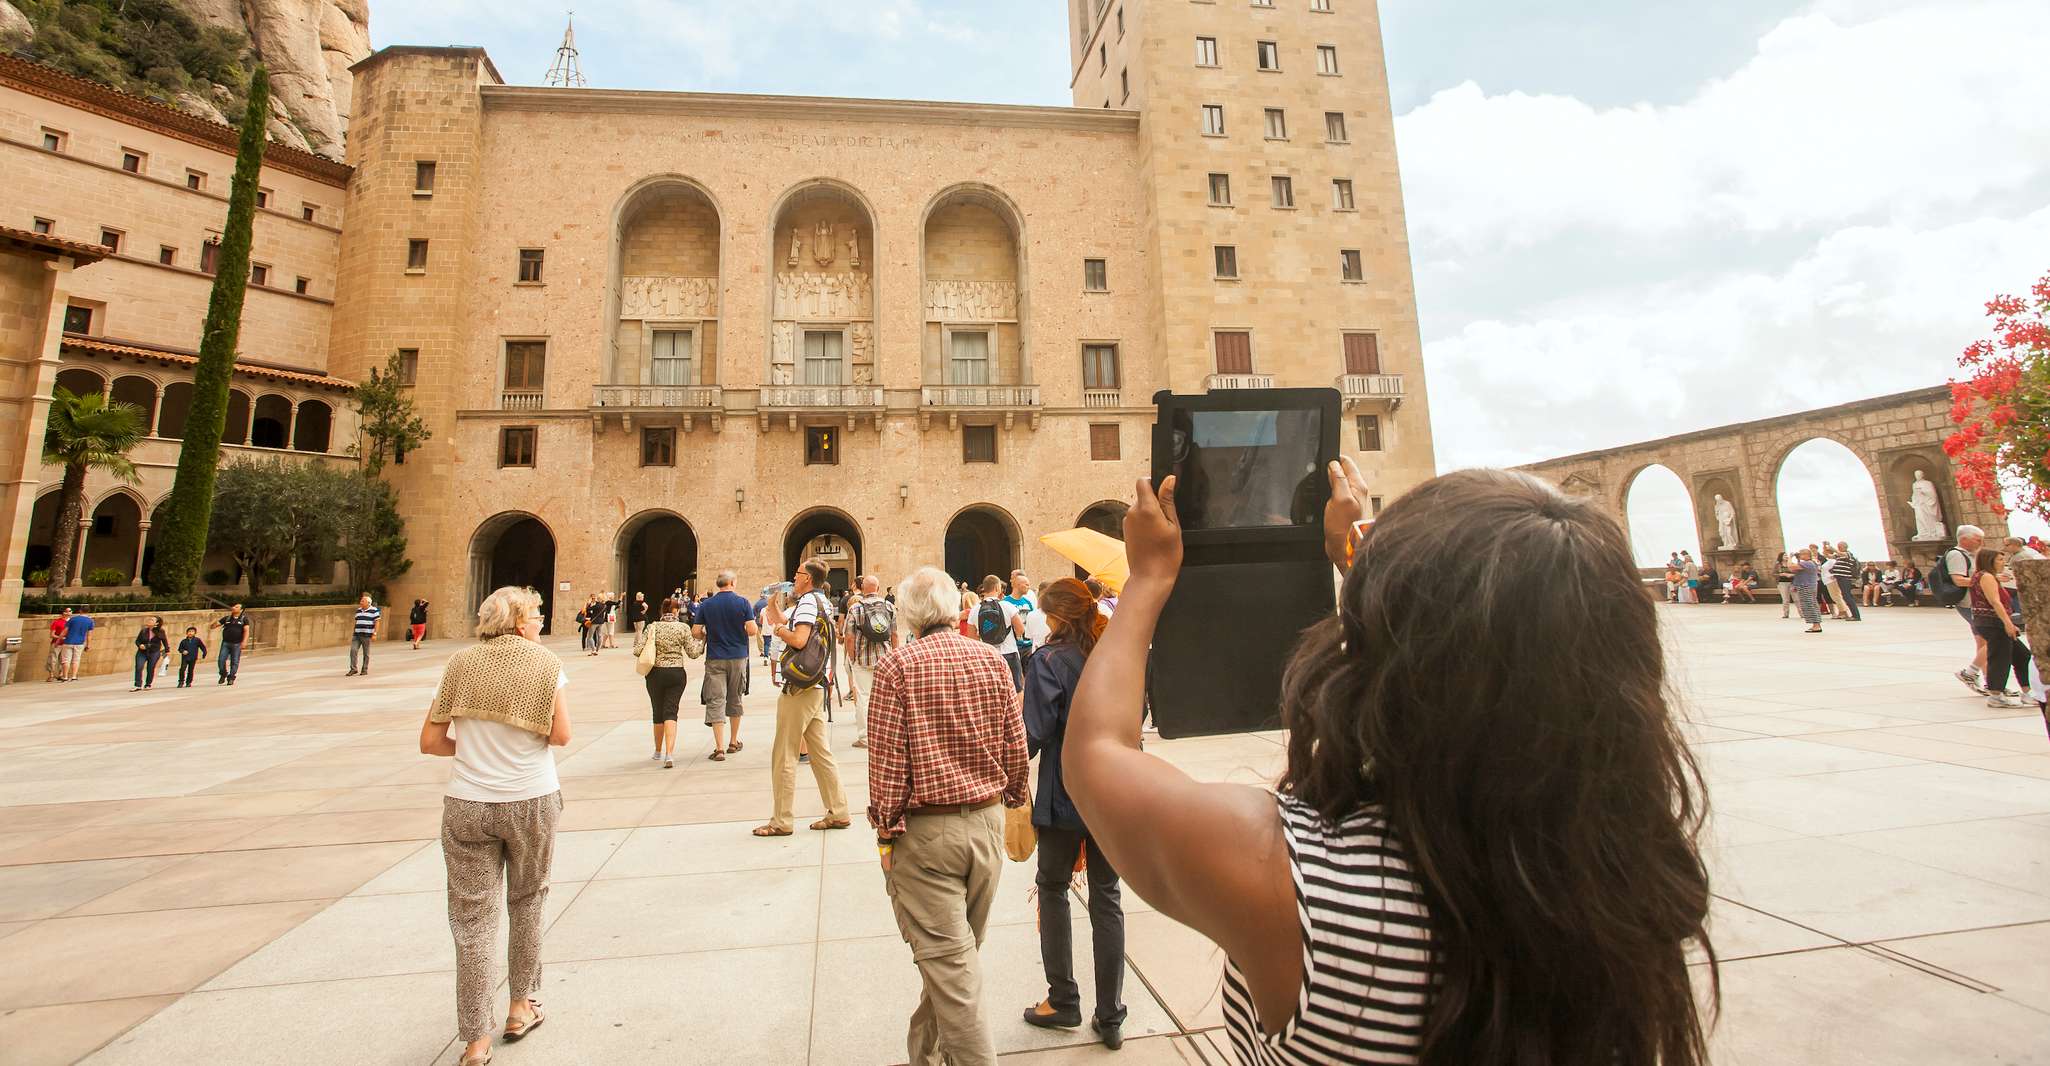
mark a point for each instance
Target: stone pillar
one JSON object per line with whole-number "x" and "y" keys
{"x": 156, "y": 414}
{"x": 249, "y": 423}
{"x": 141, "y": 544}
{"x": 292, "y": 428}
{"x": 85, "y": 529}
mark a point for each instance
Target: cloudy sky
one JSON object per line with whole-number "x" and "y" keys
{"x": 1630, "y": 218}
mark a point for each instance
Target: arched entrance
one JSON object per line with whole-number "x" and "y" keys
{"x": 42, "y": 535}
{"x": 1107, "y": 518}
{"x": 1659, "y": 513}
{"x": 513, "y": 548}
{"x": 1824, "y": 491}
{"x": 981, "y": 541}
{"x": 114, "y": 539}
{"x": 830, "y": 535}
{"x": 656, "y": 553}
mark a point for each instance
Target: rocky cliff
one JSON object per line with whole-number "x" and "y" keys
{"x": 188, "y": 53}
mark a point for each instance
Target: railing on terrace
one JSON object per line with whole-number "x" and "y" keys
{"x": 1216, "y": 382}
{"x": 520, "y": 400}
{"x": 660, "y": 396}
{"x": 980, "y": 396}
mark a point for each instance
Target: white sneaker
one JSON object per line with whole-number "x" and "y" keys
{"x": 1970, "y": 677}
{"x": 657, "y": 757}
{"x": 2006, "y": 699}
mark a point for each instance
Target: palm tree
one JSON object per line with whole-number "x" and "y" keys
{"x": 86, "y": 433}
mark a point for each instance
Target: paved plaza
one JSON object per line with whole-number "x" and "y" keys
{"x": 248, "y": 875}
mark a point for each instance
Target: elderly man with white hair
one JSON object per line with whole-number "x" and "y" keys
{"x": 1957, "y": 564}
{"x": 946, "y": 745}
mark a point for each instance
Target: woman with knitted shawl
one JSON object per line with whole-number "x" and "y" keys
{"x": 499, "y": 713}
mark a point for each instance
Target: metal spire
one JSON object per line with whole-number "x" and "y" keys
{"x": 566, "y": 73}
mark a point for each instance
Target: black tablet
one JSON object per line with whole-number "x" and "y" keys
{"x": 1250, "y": 464}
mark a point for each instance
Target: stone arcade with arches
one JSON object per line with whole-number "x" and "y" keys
{"x": 1892, "y": 437}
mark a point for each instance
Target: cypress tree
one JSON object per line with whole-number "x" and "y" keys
{"x": 181, "y": 546}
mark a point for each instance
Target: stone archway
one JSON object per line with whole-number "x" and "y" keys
{"x": 1658, "y": 513}
{"x": 513, "y": 548}
{"x": 822, "y": 288}
{"x": 1833, "y": 496}
{"x": 981, "y": 540}
{"x": 655, "y": 553}
{"x": 1106, "y": 517}
{"x": 829, "y": 534}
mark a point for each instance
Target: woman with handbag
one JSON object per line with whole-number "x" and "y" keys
{"x": 660, "y": 650}
{"x": 1050, "y": 678}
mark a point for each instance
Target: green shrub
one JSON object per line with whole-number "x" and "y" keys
{"x": 106, "y": 577}
{"x": 38, "y": 578}
{"x": 218, "y": 577}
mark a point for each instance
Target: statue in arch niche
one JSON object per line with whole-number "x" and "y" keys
{"x": 1725, "y": 523}
{"x": 1928, "y": 509}
{"x": 822, "y": 249}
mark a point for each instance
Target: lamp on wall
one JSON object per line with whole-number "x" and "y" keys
{"x": 903, "y": 495}
{"x": 739, "y": 498}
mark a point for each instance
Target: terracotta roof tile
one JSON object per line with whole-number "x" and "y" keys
{"x": 74, "y": 342}
{"x": 84, "y": 253}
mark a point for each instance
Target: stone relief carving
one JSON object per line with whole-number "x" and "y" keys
{"x": 861, "y": 343}
{"x": 808, "y": 295}
{"x": 822, "y": 244}
{"x": 796, "y": 248}
{"x": 1928, "y": 508}
{"x": 854, "y": 248}
{"x": 970, "y": 301}
{"x": 653, "y": 296}
{"x": 1725, "y": 523}
{"x": 783, "y": 353}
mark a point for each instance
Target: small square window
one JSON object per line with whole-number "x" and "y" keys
{"x": 111, "y": 238}
{"x": 209, "y": 251}
{"x": 978, "y": 444}
{"x": 307, "y": 211}
{"x": 1227, "y": 260}
{"x": 1374, "y": 506}
{"x": 822, "y": 446}
{"x": 1327, "y": 59}
{"x": 416, "y": 254}
{"x": 167, "y": 255}
{"x": 53, "y": 140}
{"x": 1320, "y": 5}
{"x": 1341, "y": 194}
{"x": 78, "y": 319}
{"x": 516, "y": 446}
{"x": 131, "y": 160}
{"x": 45, "y": 226}
{"x": 259, "y": 274}
{"x": 423, "y": 177}
{"x": 1284, "y": 191}
{"x": 1263, "y": 3}
{"x": 1277, "y": 124}
{"x": 1349, "y": 265}
{"x": 1206, "y": 51}
{"x": 1213, "y": 120}
{"x": 530, "y": 266}
{"x": 1104, "y": 442}
{"x": 300, "y": 285}
{"x": 1334, "y": 127}
{"x": 1220, "y": 190}
{"x": 409, "y": 365}
{"x": 526, "y": 366}
{"x": 1270, "y": 56}
{"x": 1099, "y": 366}
{"x": 1369, "y": 427}
{"x": 263, "y": 197}
{"x": 195, "y": 180}
{"x": 1095, "y": 275}
{"x": 658, "y": 446}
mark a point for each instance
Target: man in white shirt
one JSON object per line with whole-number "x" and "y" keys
{"x": 1958, "y": 564}
{"x": 801, "y": 713}
{"x": 1011, "y": 626}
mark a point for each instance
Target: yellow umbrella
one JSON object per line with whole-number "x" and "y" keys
{"x": 1101, "y": 555}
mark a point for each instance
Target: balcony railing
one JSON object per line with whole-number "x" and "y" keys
{"x": 1216, "y": 382}
{"x": 1359, "y": 388}
{"x": 1102, "y": 398}
{"x": 520, "y": 400}
{"x": 696, "y": 397}
{"x": 980, "y": 396}
{"x": 835, "y": 396}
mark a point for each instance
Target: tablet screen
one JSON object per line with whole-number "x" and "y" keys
{"x": 1246, "y": 469}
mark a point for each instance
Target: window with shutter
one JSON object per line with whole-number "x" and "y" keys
{"x": 1234, "y": 352}
{"x": 978, "y": 444}
{"x": 1370, "y": 433}
{"x": 525, "y": 363}
{"x": 1099, "y": 366}
{"x": 1104, "y": 443}
{"x": 1362, "y": 353}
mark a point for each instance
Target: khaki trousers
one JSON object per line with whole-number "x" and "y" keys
{"x": 942, "y": 880}
{"x": 861, "y": 677}
{"x": 801, "y": 716}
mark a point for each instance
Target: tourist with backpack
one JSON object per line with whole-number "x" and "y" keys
{"x": 999, "y": 625}
{"x": 1950, "y": 584}
{"x": 871, "y": 634}
{"x": 807, "y": 636}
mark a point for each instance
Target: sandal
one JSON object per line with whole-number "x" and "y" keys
{"x": 734, "y": 748}
{"x": 717, "y": 755}
{"x": 770, "y": 831}
{"x": 513, "y": 1035}
{"x": 827, "y": 824}
{"x": 482, "y": 1060}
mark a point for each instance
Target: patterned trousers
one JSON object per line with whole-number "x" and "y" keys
{"x": 482, "y": 842}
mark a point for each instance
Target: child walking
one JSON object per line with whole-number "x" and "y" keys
{"x": 190, "y": 651}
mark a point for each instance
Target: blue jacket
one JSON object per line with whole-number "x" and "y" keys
{"x": 1050, "y": 678}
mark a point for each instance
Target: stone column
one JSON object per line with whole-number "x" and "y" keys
{"x": 292, "y": 428}
{"x": 249, "y": 423}
{"x": 141, "y": 543}
{"x": 85, "y": 529}
{"x": 156, "y": 414}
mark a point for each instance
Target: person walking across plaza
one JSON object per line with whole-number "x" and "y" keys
{"x": 609, "y": 606}
{"x": 150, "y": 646}
{"x": 1843, "y": 572}
{"x": 726, "y": 623}
{"x": 190, "y": 651}
{"x": 636, "y": 612}
{"x": 234, "y": 627}
{"x": 801, "y": 711}
{"x": 1808, "y": 579}
{"x": 999, "y": 625}
{"x": 871, "y": 634}
{"x": 1690, "y": 578}
{"x": 367, "y": 617}
{"x": 675, "y": 646}
{"x": 53, "y": 665}
{"x": 1951, "y": 584}
{"x": 1026, "y": 602}
{"x": 946, "y": 747}
{"x": 78, "y": 640}
{"x": 587, "y": 625}
{"x": 416, "y": 623}
{"x": 1074, "y": 626}
{"x": 499, "y": 713}
{"x": 1994, "y": 621}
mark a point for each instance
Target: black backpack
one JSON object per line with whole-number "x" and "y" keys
{"x": 805, "y": 667}
{"x": 875, "y": 623}
{"x": 989, "y": 623}
{"x": 1948, "y": 592}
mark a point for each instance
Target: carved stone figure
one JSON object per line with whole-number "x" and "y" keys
{"x": 861, "y": 343}
{"x": 1928, "y": 509}
{"x": 1725, "y": 523}
{"x": 796, "y": 248}
{"x": 970, "y": 301}
{"x": 782, "y": 352}
{"x": 822, "y": 243}
{"x": 654, "y": 296}
{"x": 854, "y": 248}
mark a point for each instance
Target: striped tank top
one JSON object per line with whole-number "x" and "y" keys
{"x": 1367, "y": 981}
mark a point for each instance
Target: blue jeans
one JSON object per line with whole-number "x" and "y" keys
{"x": 1843, "y": 585}
{"x": 229, "y": 661}
{"x": 145, "y": 668}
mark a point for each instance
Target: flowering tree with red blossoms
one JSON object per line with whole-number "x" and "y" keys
{"x": 2001, "y": 448}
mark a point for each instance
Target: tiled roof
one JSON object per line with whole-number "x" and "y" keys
{"x": 74, "y": 342}
{"x": 84, "y": 253}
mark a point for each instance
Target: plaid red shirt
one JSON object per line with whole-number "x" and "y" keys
{"x": 944, "y": 727}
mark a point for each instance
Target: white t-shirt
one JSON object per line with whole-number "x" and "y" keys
{"x": 499, "y": 763}
{"x": 1010, "y": 644}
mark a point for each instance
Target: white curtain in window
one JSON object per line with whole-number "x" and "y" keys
{"x": 821, "y": 358}
{"x": 671, "y": 358}
{"x": 970, "y": 365}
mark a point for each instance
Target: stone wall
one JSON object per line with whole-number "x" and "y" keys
{"x": 113, "y": 643}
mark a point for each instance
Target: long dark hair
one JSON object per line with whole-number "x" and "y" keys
{"x": 1517, "y": 738}
{"x": 1071, "y": 614}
